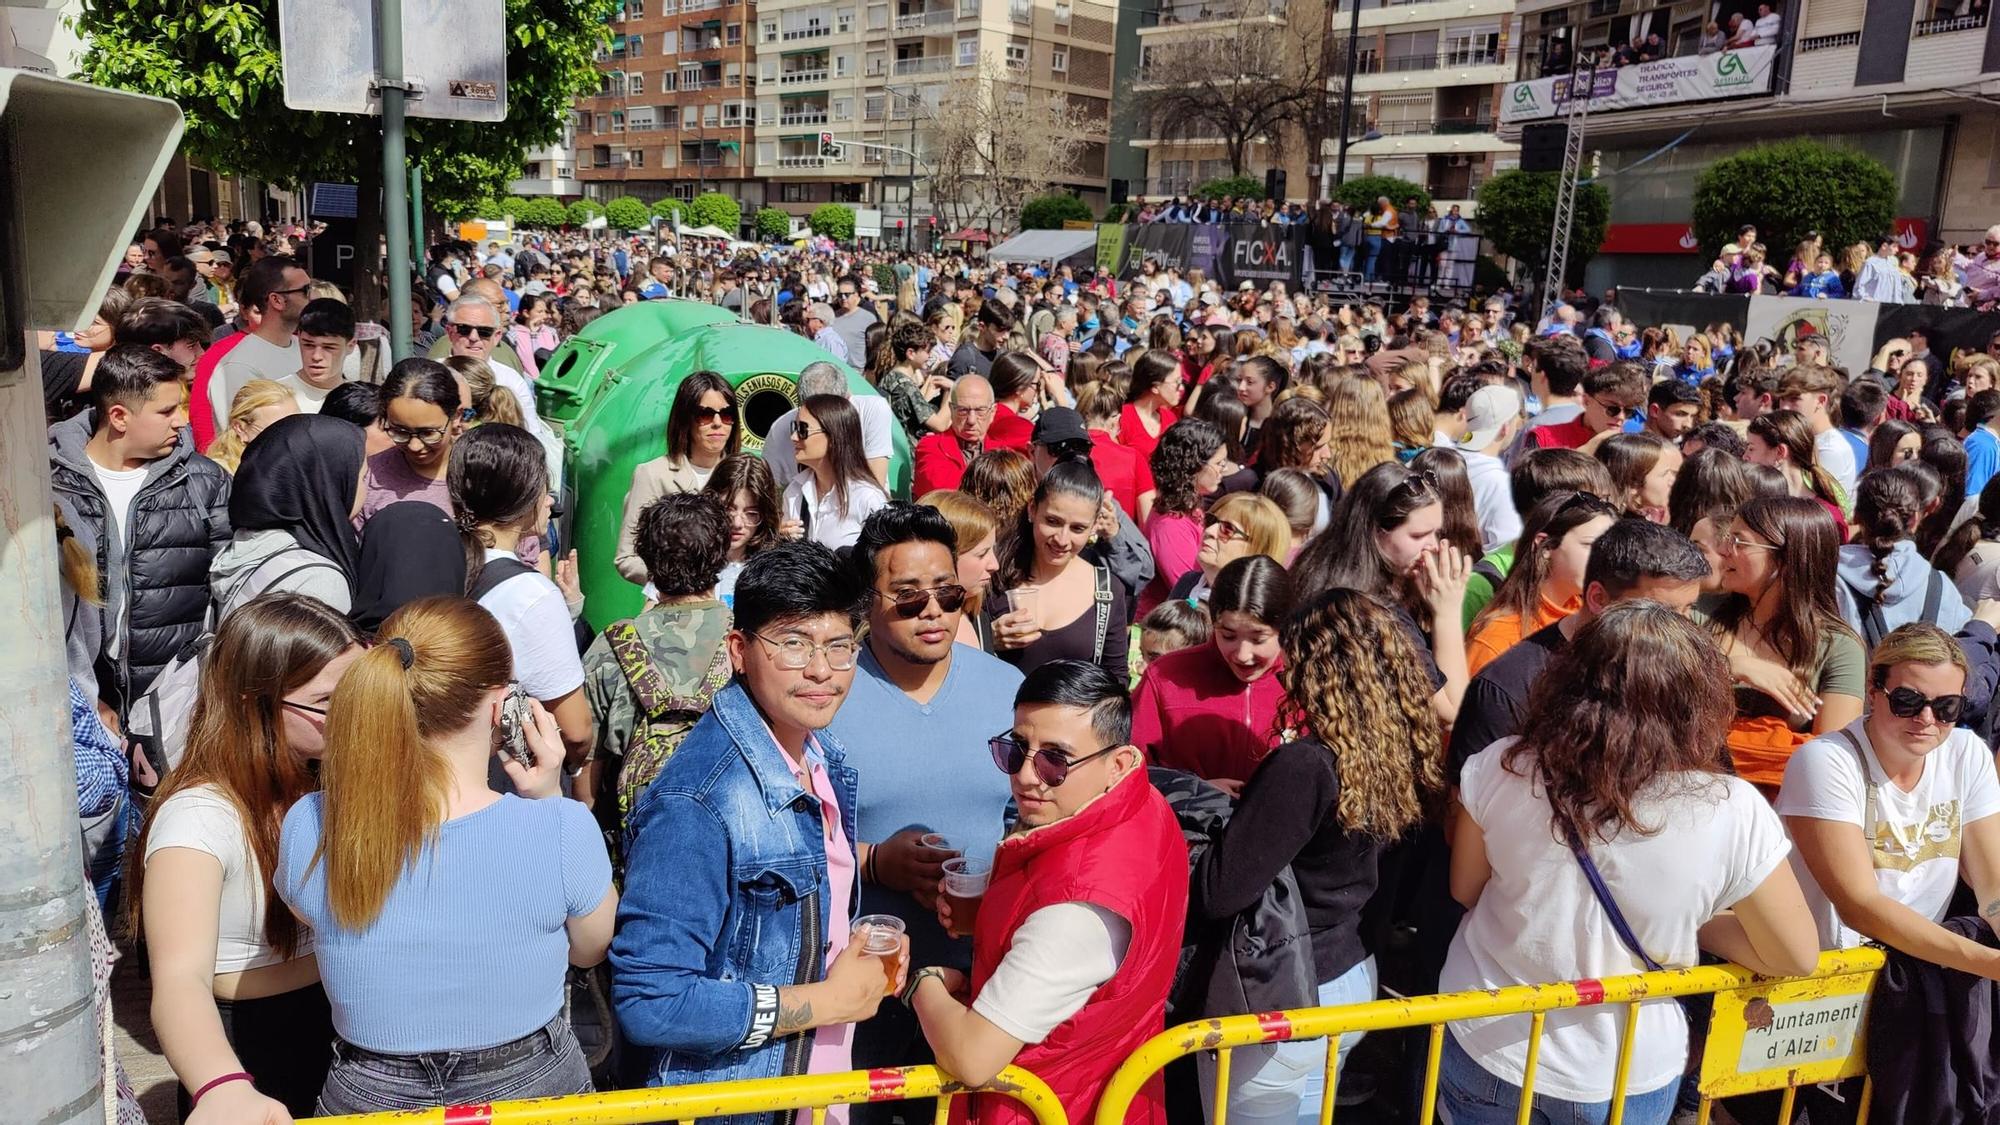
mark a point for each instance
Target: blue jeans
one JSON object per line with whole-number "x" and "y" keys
{"x": 1284, "y": 1083}
{"x": 1373, "y": 245}
{"x": 543, "y": 1064}
{"x": 1347, "y": 258}
{"x": 1469, "y": 1095}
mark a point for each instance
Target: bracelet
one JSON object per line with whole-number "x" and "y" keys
{"x": 909, "y": 993}
{"x": 234, "y": 1076}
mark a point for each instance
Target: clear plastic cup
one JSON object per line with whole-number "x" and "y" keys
{"x": 1026, "y": 599}
{"x": 937, "y": 842}
{"x": 964, "y": 885}
{"x": 881, "y": 936}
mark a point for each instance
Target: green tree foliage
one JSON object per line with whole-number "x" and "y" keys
{"x": 1240, "y": 187}
{"x": 669, "y": 207}
{"x": 1792, "y": 187}
{"x": 1362, "y": 191}
{"x": 773, "y": 225}
{"x": 1050, "y": 212}
{"x": 542, "y": 212}
{"x": 582, "y": 211}
{"x": 714, "y": 209}
{"x": 832, "y": 221}
{"x": 1517, "y": 211}
{"x": 218, "y": 59}
{"x": 513, "y": 205}
{"x": 1116, "y": 212}
{"x": 627, "y": 213}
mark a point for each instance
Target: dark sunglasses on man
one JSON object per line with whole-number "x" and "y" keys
{"x": 476, "y": 331}
{"x": 1051, "y": 766}
{"x": 909, "y": 603}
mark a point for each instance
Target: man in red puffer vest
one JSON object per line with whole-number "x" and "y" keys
{"x": 1075, "y": 940}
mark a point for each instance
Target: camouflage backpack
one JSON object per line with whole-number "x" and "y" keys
{"x": 664, "y": 717}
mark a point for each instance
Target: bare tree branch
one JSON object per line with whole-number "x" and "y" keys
{"x": 997, "y": 144}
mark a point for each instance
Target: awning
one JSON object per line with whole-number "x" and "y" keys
{"x": 970, "y": 234}
{"x": 1045, "y": 246}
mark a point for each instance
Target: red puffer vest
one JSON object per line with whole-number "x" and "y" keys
{"x": 1123, "y": 852}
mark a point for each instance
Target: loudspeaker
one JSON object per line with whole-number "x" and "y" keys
{"x": 1274, "y": 184}
{"x": 1121, "y": 191}
{"x": 1542, "y": 147}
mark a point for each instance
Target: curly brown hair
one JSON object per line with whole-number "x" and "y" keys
{"x": 1354, "y": 683}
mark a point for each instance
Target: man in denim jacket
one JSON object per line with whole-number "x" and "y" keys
{"x": 732, "y": 933}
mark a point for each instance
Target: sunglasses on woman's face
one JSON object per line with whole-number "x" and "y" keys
{"x": 716, "y": 414}
{"x": 1908, "y": 703}
{"x": 804, "y": 431}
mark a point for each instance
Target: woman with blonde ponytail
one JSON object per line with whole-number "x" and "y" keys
{"x": 446, "y": 915}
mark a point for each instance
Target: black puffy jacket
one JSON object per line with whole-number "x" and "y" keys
{"x": 155, "y": 587}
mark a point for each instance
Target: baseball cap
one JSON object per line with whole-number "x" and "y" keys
{"x": 1245, "y": 287}
{"x": 1059, "y": 424}
{"x": 1210, "y": 299}
{"x": 1487, "y": 412}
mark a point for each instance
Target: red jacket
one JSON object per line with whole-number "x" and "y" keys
{"x": 1125, "y": 474}
{"x": 940, "y": 463}
{"x": 1010, "y": 431}
{"x": 200, "y": 417}
{"x": 1191, "y": 713}
{"x": 1123, "y": 852}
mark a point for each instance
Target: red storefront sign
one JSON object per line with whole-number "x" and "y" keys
{"x": 1678, "y": 238}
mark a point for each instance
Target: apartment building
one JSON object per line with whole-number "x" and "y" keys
{"x": 673, "y": 112}
{"x": 551, "y": 169}
{"x": 872, "y": 73}
{"x": 1912, "y": 83}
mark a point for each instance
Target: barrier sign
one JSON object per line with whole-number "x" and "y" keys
{"x": 1799, "y": 1032}
{"x": 1686, "y": 78}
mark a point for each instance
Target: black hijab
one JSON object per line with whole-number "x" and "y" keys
{"x": 412, "y": 550}
{"x": 301, "y": 476}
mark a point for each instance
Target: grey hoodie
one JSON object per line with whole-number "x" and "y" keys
{"x": 234, "y": 576}
{"x": 1902, "y": 600}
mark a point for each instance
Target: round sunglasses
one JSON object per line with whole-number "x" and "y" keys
{"x": 1052, "y": 766}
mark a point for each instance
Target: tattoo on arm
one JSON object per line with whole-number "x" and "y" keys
{"x": 793, "y": 1016}
{"x": 1991, "y": 910}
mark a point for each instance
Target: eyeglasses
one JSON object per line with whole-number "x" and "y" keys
{"x": 1735, "y": 543}
{"x": 289, "y": 292}
{"x": 747, "y": 519}
{"x": 1617, "y": 410}
{"x": 1051, "y": 766}
{"x": 428, "y": 435}
{"x": 713, "y": 414}
{"x": 321, "y": 711}
{"x": 476, "y": 331}
{"x": 1908, "y": 703}
{"x": 909, "y": 603}
{"x": 795, "y": 653}
{"x": 804, "y": 431}
{"x": 1225, "y": 531}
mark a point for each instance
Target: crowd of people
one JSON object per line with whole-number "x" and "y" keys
{"x": 1234, "y": 652}
{"x": 1407, "y": 245}
{"x": 1887, "y": 272}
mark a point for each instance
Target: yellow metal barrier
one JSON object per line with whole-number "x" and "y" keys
{"x": 1766, "y": 1034}
{"x": 718, "y": 1099}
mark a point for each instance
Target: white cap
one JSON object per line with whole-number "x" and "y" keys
{"x": 1487, "y": 412}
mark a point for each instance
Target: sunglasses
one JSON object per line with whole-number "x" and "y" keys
{"x": 804, "y": 431}
{"x": 1225, "y": 531}
{"x": 1908, "y": 703}
{"x": 476, "y": 331}
{"x": 909, "y": 603}
{"x": 1051, "y": 766}
{"x": 1617, "y": 410}
{"x": 715, "y": 414}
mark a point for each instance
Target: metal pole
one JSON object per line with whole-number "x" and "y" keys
{"x": 46, "y": 1015}
{"x": 416, "y": 214}
{"x": 395, "y": 167}
{"x": 1347, "y": 88}
{"x": 910, "y": 188}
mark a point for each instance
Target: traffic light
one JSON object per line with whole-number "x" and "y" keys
{"x": 828, "y": 148}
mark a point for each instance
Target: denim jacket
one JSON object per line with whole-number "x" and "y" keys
{"x": 725, "y": 901}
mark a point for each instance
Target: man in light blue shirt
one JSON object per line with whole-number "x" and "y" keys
{"x": 1982, "y": 448}
{"x": 1879, "y": 279}
{"x": 916, "y": 725}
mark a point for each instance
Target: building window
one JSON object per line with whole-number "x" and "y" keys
{"x": 968, "y": 9}
{"x": 1017, "y": 56}
{"x": 878, "y": 17}
{"x": 1059, "y": 60}
{"x": 617, "y": 122}
{"x": 793, "y": 193}
{"x": 843, "y": 21}
{"x": 603, "y": 124}
{"x": 667, "y": 44}
{"x": 770, "y": 31}
{"x": 1020, "y": 11}
{"x": 1062, "y": 13}
{"x": 840, "y": 66}
{"x": 732, "y": 113}
{"x": 767, "y": 153}
{"x": 968, "y": 49}
{"x": 843, "y": 109}
{"x": 636, "y": 157}
{"x": 669, "y": 81}
{"x": 635, "y": 45}
{"x": 635, "y": 9}
{"x": 732, "y": 34}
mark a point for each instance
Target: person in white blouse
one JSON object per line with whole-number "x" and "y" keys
{"x": 834, "y": 490}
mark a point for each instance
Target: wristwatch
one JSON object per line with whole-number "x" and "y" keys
{"x": 909, "y": 993}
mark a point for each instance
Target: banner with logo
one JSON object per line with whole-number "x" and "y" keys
{"x": 1111, "y": 246}
{"x": 1688, "y": 78}
{"x": 1911, "y": 233}
{"x": 1229, "y": 253}
{"x": 1848, "y": 327}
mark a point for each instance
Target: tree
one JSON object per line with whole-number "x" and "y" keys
{"x": 582, "y": 211}
{"x": 773, "y": 225}
{"x": 1050, "y": 212}
{"x": 627, "y": 213}
{"x": 1236, "y": 187}
{"x": 542, "y": 212}
{"x": 831, "y": 220}
{"x": 218, "y": 59}
{"x": 714, "y": 209}
{"x": 1255, "y": 80}
{"x": 512, "y": 206}
{"x": 670, "y": 209}
{"x": 1517, "y": 211}
{"x": 998, "y": 143}
{"x": 1792, "y": 187}
{"x": 1360, "y": 192}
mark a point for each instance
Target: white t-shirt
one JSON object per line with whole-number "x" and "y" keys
{"x": 253, "y": 358}
{"x": 1492, "y": 500}
{"x": 1837, "y": 458}
{"x": 532, "y": 613}
{"x": 876, "y": 421}
{"x": 1915, "y": 837}
{"x": 308, "y": 396}
{"x": 1978, "y": 574}
{"x": 121, "y": 487}
{"x": 203, "y": 820}
{"x": 1767, "y": 29}
{"x": 1537, "y": 919}
{"x": 1054, "y": 962}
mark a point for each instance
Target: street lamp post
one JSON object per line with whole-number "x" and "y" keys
{"x": 1347, "y": 88}
{"x": 909, "y": 94}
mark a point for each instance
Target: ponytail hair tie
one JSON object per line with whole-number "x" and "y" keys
{"x": 404, "y": 651}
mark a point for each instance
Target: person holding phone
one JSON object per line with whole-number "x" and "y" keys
{"x": 417, "y": 879}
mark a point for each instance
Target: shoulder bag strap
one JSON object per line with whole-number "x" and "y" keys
{"x": 1933, "y": 596}
{"x": 640, "y": 674}
{"x": 1103, "y": 577}
{"x": 1867, "y": 791}
{"x": 1610, "y": 905}
{"x": 495, "y": 572}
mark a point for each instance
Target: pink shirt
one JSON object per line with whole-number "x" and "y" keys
{"x": 833, "y": 1045}
{"x": 1175, "y": 538}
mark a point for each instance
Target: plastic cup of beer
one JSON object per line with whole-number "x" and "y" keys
{"x": 1026, "y": 599}
{"x": 881, "y": 936}
{"x": 964, "y": 885}
{"x": 937, "y": 842}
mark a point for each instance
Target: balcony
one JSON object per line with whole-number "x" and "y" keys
{"x": 699, "y": 5}
{"x": 1828, "y": 42}
{"x": 803, "y": 77}
{"x": 1446, "y": 60}
{"x": 1944, "y": 25}
{"x": 937, "y": 64}
{"x": 917, "y": 21}
{"x": 708, "y": 82}
{"x": 817, "y": 31}
{"x": 1441, "y": 127}
{"x": 803, "y": 117}
{"x": 801, "y": 162}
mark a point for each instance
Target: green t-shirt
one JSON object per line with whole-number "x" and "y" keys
{"x": 1479, "y": 589}
{"x": 1840, "y": 667}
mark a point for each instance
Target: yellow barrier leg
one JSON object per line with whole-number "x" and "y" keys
{"x": 1527, "y": 1107}
{"x": 1867, "y": 1096}
{"x": 1431, "y": 1064}
{"x": 819, "y": 1115}
{"x": 1701, "y": 1115}
{"x": 1624, "y": 1074}
{"x": 1332, "y": 1079}
{"x": 943, "y": 1112}
{"x": 1221, "y": 1116}
{"x": 1785, "y": 1103}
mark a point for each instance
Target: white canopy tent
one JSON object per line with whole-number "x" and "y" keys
{"x": 1056, "y": 246}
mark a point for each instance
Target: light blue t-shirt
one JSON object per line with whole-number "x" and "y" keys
{"x": 1982, "y": 459}
{"x": 928, "y": 766}
{"x": 470, "y": 949}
